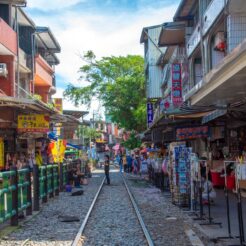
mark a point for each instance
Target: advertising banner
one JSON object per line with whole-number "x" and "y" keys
{"x": 192, "y": 133}
{"x": 58, "y": 104}
{"x": 150, "y": 114}
{"x": 176, "y": 84}
{"x": 33, "y": 123}
{"x": 57, "y": 149}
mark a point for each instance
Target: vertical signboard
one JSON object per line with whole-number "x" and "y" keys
{"x": 58, "y": 104}
{"x": 150, "y": 114}
{"x": 1, "y": 153}
{"x": 176, "y": 84}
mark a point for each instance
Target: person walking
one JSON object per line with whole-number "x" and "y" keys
{"x": 129, "y": 163}
{"x": 106, "y": 168}
{"x": 124, "y": 163}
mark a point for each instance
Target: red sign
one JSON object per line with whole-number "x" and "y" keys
{"x": 192, "y": 132}
{"x": 176, "y": 84}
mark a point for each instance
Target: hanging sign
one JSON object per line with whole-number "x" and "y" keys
{"x": 150, "y": 114}
{"x": 192, "y": 132}
{"x": 58, "y": 104}
{"x": 1, "y": 153}
{"x": 57, "y": 150}
{"x": 176, "y": 84}
{"x": 33, "y": 123}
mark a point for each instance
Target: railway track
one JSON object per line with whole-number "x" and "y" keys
{"x": 79, "y": 239}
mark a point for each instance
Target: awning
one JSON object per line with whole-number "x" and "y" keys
{"x": 213, "y": 115}
{"x": 172, "y": 33}
{"x": 47, "y": 40}
{"x": 75, "y": 113}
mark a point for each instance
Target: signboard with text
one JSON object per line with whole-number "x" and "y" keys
{"x": 150, "y": 114}
{"x": 33, "y": 123}
{"x": 176, "y": 84}
{"x": 58, "y": 104}
{"x": 192, "y": 132}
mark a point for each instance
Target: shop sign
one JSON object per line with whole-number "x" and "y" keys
{"x": 150, "y": 114}
{"x": 58, "y": 104}
{"x": 176, "y": 84}
{"x": 33, "y": 123}
{"x": 192, "y": 133}
{"x": 1, "y": 153}
{"x": 57, "y": 150}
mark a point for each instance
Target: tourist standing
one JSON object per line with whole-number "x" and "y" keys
{"x": 106, "y": 168}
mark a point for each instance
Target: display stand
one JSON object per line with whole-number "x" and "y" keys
{"x": 226, "y": 163}
{"x": 210, "y": 219}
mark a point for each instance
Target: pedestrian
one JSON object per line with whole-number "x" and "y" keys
{"x": 106, "y": 168}
{"x": 121, "y": 163}
{"x": 124, "y": 163}
{"x": 129, "y": 163}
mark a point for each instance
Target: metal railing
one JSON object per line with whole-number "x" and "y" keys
{"x": 18, "y": 193}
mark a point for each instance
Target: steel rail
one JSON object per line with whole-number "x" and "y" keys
{"x": 82, "y": 227}
{"x": 145, "y": 231}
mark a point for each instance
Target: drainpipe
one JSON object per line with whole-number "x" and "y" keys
{"x": 18, "y": 52}
{"x": 201, "y": 38}
{"x": 18, "y": 47}
{"x": 33, "y": 60}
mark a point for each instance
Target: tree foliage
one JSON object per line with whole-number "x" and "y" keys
{"x": 132, "y": 142}
{"x": 118, "y": 82}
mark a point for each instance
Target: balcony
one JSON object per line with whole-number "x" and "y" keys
{"x": 212, "y": 13}
{"x": 194, "y": 40}
{"x": 23, "y": 62}
{"x": 8, "y": 39}
{"x": 43, "y": 72}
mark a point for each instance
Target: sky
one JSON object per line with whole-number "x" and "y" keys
{"x": 108, "y": 27}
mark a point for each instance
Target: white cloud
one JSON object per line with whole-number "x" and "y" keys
{"x": 53, "y": 4}
{"x": 105, "y": 34}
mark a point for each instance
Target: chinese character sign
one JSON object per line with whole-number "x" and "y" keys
{"x": 150, "y": 113}
{"x": 176, "y": 84}
{"x": 1, "y": 153}
{"x": 192, "y": 133}
{"x": 57, "y": 150}
{"x": 33, "y": 123}
{"x": 58, "y": 104}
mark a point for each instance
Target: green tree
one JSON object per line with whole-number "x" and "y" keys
{"x": 118, "y": 82}
{"x": 132, "y": 142}
{"x": 88, "y": 134}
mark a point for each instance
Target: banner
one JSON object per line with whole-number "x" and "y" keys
{"x": 150, "y": 114}
{"x": 1, "y": 153}
{"x": 192, "y": 133}
{"x": 58, "y": 104}
{"x": 33, "y": 123}
{"x": 57, "y": 150}
{"x": 176, "y": 84}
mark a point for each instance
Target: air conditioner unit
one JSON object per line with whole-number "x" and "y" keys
{"x": 3, "y": 70}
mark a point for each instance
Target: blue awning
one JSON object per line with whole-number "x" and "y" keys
{"x": 213, "y": 115}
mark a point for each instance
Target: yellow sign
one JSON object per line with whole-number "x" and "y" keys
{"x": 58, "y": 104}
{"x": 1, "y": 153}
{"x": 58, "y": 150}
{"x": 33, "y": 123}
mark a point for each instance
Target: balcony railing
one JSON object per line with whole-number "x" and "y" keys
{"x": 43, "y": 71}
{"x": 194, "y": 40}
{"x": 23, "y": 58}
{"x": 8, "y": 38}
{"x": 211, "y": 14}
